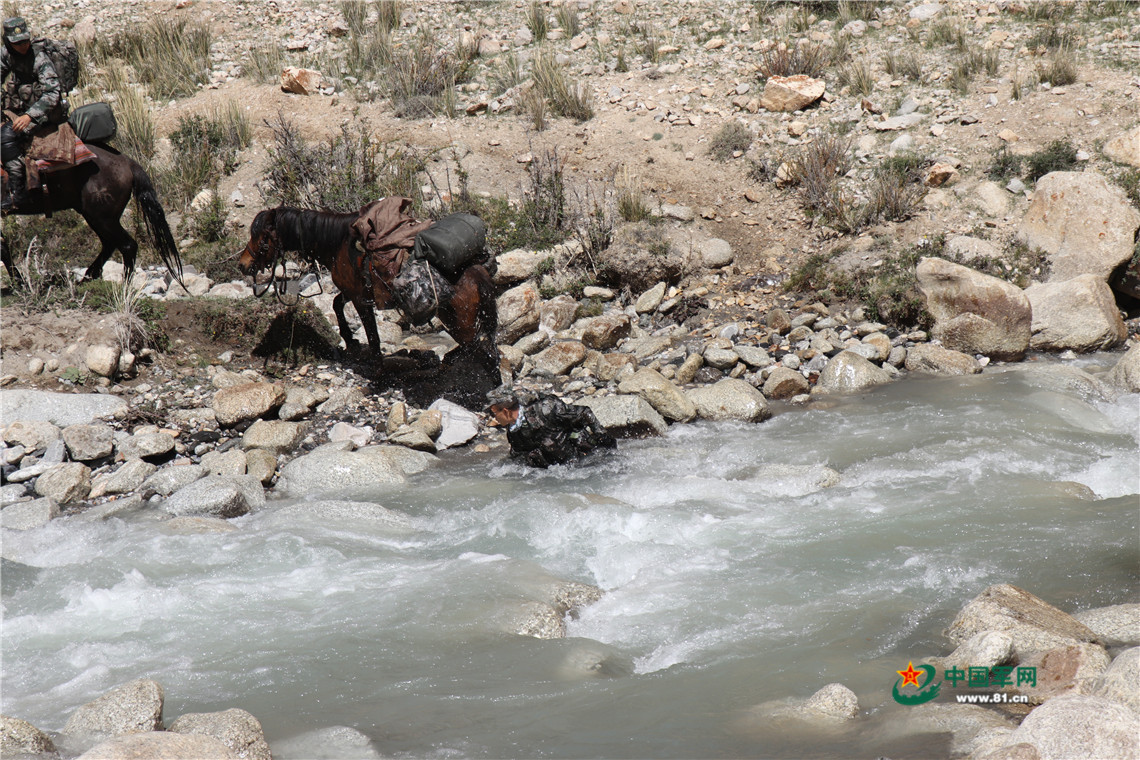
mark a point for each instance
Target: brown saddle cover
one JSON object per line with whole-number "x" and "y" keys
{"x": 55, "y": 143}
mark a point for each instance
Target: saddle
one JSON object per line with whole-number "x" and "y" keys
{"x": 53, "y": 149}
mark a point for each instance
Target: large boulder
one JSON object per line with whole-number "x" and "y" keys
{"x": 1125, "y": 147}
{"x": 160, "y": 745}
{"x": 245, "y": 402}
{"x": 133, "y": 708}
{"x": 60, "y": 409}
{"x": 791, "y": 93}
{"x": 217, "y": 495}
{"x": 1078, "y": 727}
{"x": 27, "y": 515}
{"x": 237, "y": 729}
{"x": 87, "y": 442}
{"x": 1119, "y": 683}
{"x": 1078, "y": 315}
{"x": 785, "y": 383}
{"x": 1126, "y": 373}
{"x": 458, "y": 425}
{"x": 1034, "y": 625}
{"x": 21, "y": 737}
{"x": 1116, "y": 626}
{"x": 642, "y": 255}
{"x": 661, "y": 393}
{"x": 928, "y": 357}
{"x": 559, "y": 358}
{"x": 973, "y": 312}
{"x": 518, "y": 312}
{"x": 330, "y": 472}
{"x": 31, "y": 434}
{"x": 968, "y": 727}
{"x": 848, "y": 372}
{"x": 1061, "y": 670}
{"x": 626, "y": 416}
{"x": 65, "y": 483}
{"x": 1083, "y": 222}
{"x": 730, "y": 399}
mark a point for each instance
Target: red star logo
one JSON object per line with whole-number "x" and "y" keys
{"x": 910, "y": 675}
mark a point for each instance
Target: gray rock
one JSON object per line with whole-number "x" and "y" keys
{"x": 569, "y": 597}
{"x": 132, "y": 708}
{"x": 146, "y": 446}
{"x": 1116, "y": 626}
{"x": 332, "y": 472}
{"x": 60, "y": 409}
{"x": 1061, "y": 670}
{"x": 925, "y": 12}
{"x": 989, "y": 198}
{"x": 716, "y": 253}
{"x": 197, "y": 525}
{"x": 249, "y": 401}
{"x": 218, "y": 495}
{"x": 785, "y": 383}
{"x": 21, "y": 737}
{"x": 847, "y": 372}
{"x": 605, "y": 332}
{"x": 533, "y": 343}
{"x": 1079, "y": 726}
{"x": 1119, "y": 681}
{"x": 413, "y": 438}
{"x": 102, "y": 360}
{"x": 29, "y": 514}
{"x": 720, "y": 358}
{"x": 1083, "y": 222}
{"x": 834, "y": 701}
{"x": 730, "y": 399}
{"x": 237, "y": 729}
{"x": 406, "y": 460}
{"x": 973, "y": 312}
{"x": 277, "y": 436}
{"x": 969, "y": 726}
{"x": 160, "y": 745}
{"x": 170, "y": 479}
{"x": 898, "y": 122}
{"x": 31, "y": 434}
{"x": 332, "y": 510}
{"x": 645, "y": 347}
{"x": 626, "y": 416}
{"x": 12, "y": 493}
{"x": 649, "y": 300}
{"x": 65, "y": 483}
{"x": 518, "y": 312}
{"x": 1125, "y": 147}
{"x": 536, "y": 619}
{"x": 459, "y": 425}
{"x": 87, "y": 442}
{"x": 1075, "y": 315}
{"x": 518, "y": 265}
{"x": 927, "y": 357}
{"x": 261, "y": 464}
{"x": 559, "y": 358}
{"x": 107, "y": 510}
{"x": 231, "y": 462}
{"x": 1126, "y": 373}
{"x": 664, "y": 396}
{"x": 984, "y": 649}
{"x": 753, "y": 356}
{"x": 1033, "y": 624}
{"x": 341, "y": 399}
{"x": 1015, "y": 186}
{"x": 558, "y": 313}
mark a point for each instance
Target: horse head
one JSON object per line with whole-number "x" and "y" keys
{"x": 263, "y": 246}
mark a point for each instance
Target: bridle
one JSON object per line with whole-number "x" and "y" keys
{"x": 270, "y": 250}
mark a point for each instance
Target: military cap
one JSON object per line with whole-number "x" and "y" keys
{"x": 16, "y": 30}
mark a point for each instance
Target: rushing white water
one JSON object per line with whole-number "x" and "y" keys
{"x": 734, "y": 574}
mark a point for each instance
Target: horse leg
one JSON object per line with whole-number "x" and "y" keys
{"x": 471, "y": 317}
{"x": 111, "y": 235}
{"x": 350, "y": 342}
{"x": 368, "y": 317}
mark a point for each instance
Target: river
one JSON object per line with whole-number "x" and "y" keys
{"x": 733, "y": 575}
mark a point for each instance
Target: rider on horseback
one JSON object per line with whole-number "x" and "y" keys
{"x": 32, "y": 99}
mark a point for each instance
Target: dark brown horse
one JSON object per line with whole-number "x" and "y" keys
{"x": 325, "y": 238}
{"x": 99, "y": 190}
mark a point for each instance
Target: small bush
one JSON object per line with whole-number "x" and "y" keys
{"x": 170, "y": 56}
{"x": 630, "y": 205}
{"x": 650, "y": 44}
{"x": 788, "y": 59}
{"x": 1059, "y": 69}
{"x": 1053, "y": 37}
{"x": 945, "y": 31}
{"x": 1005, "y": 166}
{"x": 136, "y": 134}
{"x": 266, "y": 63}
{"x": 509, "y": 73}
{"x": 388, "y": 14}
{"x": 536, "y": 107}
{"x": 355, "y": 14}
{"x": 1058, "y": 156}
{"x": 569, "y": 99}
{"x": 857, "y": 75}
{"x": 536, "y": 21}
{"x": 568, "y": 20}
{"x": 546, "y": 195}
{"x": 422, "y": 77}
{"x": 729, "y": 139}
{"x": 205, "y": 149}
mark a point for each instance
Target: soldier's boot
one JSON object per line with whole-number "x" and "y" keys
{"x": 17, "y": 184}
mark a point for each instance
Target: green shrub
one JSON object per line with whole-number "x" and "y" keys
{"x": 1058, "y": 156}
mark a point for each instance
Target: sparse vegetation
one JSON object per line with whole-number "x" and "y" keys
{"x": 172, "y": 57}
{"x": 729, "y": 140}
{"x": 536, "y": 21}
{"x": 568, "y": 20}
{"x": 422, "y": 79}
{"x": 789, "y": 58}
{"x": 857, "y": 75}
{"x": 630, "y": 205}
{"x": 566, "y": 98}
{"x": 1058, "y": 69}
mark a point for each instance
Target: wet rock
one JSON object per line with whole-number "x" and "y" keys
{"x": 31, "y": 434}
{"x": 61, "y": 409}
{"x": 1078, "y": 726}
{"x": 1034, "y": 625}
{"x": 237, "y": 729}
{"x": 102, "y": 360}
{"x": 276, "y": 436}
{"x": 1119, "y": 681}
{"x": 558, "y": 313}
{"x": 231, "y": 462}
{"x": 12, "y": 493}
{"x": 1060, "y": 670}
{"x": 730, "y": 399}
{"x": 28, "y": 515}
{"x": 834, "y": 701}
{"x": 406, "y": 460}
{"x": 569, "y": 597}
{"x": 413, "y": 438}
{"x": 333, "y": 743}
{"x": 847, "y": 372}
{"x": 785, "y": 383}
{"x": 533, "y": 343}
{"x": 147, "y": 446}
{"x": 65, "y": 483}
{"x": 1115, "y": 626}
{"x": 261, "y": 464}
{"x": 792, "y": 93}
{"x": 664, "y": 396}
{"x": 626, "y": 416}
{"x": 518, "y": 312}
{"x": 218, "y": 495}
{"x": 973, "y": 312}
{"x": 249, "y": 401}
{"x": 170, "y": 479}
{"x": 87, "y": 442}
{"x": 133, "y": 708}
{"x": 559, "y": 358}
{"x": 1126, "y": 373}
{"x": 430, "y": 422}
{"x": 536, "y": 619}
{"x": 649, "y": 300}
{"x": 927, "y": 357}
{"x": 984, "y": 650}
{"x": 1078, "y": 315}
{"x": 605, "y": 332}
{"x": 338, "y": 471}
{"x": 458, "y": 425}
{"x": 197, "y": 525}
{"x": 970, "y": 727}
{"x": 21, "y": 737}
{"x": 1084, "y": 223}
{"x": 160, "y": 745}
{"x": 341, "y": 399}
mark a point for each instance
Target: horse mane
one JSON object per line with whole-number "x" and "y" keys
{"x": 316, "y": 235}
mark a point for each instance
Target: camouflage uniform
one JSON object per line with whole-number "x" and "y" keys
{"x": 31, "y": 87}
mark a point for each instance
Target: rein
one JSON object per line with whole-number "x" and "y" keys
{"x": 269, "y": 246}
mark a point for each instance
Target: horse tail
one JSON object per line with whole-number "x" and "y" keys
{"x": 156, "y": 223}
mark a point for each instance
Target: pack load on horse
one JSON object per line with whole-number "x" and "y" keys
{"x": 380, "y": 257}
{"x": 52, "y": 163}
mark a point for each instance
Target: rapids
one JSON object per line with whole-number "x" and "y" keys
{"x": 737, "y": 569}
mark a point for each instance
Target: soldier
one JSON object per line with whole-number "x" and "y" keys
{"x": 549, "y": 431}
{"x": 32, "y": 100}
